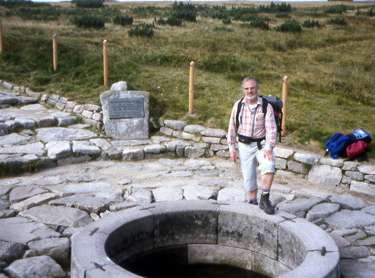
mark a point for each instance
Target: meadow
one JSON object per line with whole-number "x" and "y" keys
{"x": 325, "y": 48}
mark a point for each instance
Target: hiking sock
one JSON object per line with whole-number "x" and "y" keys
{"x": 266, "y": 191}
{"x": 253, "y": 201}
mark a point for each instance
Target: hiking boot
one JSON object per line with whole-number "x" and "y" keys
{"x": 265, "y": 204}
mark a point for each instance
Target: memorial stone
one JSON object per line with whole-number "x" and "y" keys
{"x": 125, "y": 114}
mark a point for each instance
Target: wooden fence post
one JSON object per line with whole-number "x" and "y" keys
{"x": 54, "y": 43}
{"x": 284, "y": 96}
{"x": 105, "y": 62}
{"x": 191, "y": 89}
{"x": 1, "y": 37}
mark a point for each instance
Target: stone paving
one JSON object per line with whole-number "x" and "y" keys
{"x": 40, "y": 211}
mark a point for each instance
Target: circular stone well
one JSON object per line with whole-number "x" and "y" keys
{"x": 203, "y": 233}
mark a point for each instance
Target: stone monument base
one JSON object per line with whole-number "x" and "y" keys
{"x": 126, "y": 114}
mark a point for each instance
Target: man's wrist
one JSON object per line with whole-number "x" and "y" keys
{"x": 268, "y": 147}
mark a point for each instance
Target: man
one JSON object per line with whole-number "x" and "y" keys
{"x": 257, "y": 134}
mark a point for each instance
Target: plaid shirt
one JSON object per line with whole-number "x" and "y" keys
{"x": 263, "y": 127}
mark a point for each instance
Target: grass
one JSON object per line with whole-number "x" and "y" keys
{"x": 331, "y": 66}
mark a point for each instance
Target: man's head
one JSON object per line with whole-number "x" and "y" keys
{"x": 250, "y": 88}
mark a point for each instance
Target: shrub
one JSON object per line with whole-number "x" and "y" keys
{"x": 145, "y": 11}
{"x": 311, "y": 23}
{"x": 274, "y": 8}
{"x": 173, "y": 20}
{"x": 370, "y": 12}
{"x": 261, "y": 24}
{"x": 185, "y": 14}
{"x": 227, "y": 21}
{"x": 123, "y": 20}
{"x": 47, "y": 13}
{"x": 337, "y": 21}
{"x": 223, "y": 29}
{"x": 89, "y": 4}
{"x": 183, "y": 11}
{"x": 290, "y": 26}
{"x": 337, "y": 9}
{"x": 87, "y": 21}
{"x": 160, "y": 21}
{"x": 142, "y": 30}
{"x": 282, "y": 15}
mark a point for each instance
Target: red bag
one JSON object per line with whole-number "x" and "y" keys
{"x": 356, "y": 148}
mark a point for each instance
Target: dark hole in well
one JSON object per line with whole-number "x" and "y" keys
{"x": 173, "y": 262}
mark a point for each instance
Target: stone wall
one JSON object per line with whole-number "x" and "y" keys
{"x": 197, "y": 141}
{"x": 323, "y": 170}
{"x": 91, "y": 114}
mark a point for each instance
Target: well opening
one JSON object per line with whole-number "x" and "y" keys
{"x": 194, "y": 237}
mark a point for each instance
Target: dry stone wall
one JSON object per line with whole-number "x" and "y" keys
{"x": 192, "y": 141}
{"x": 332, "y": 172}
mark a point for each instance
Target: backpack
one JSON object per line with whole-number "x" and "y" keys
{"x": 360, "y": 139}
{"x": 360, "y": 134}
{"x": 277, "y": 105}
{"x": 336, "y": 145}
{"x": 356, "y": 148}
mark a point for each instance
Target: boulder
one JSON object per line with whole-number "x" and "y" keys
{"x": 325, "y": 174}
{"x": 35, "y": 267}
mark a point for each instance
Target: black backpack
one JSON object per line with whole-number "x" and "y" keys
{"x": 277, "y": 106}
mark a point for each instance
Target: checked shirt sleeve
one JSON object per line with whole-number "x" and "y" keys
{"x": 232, "y": 132}
{"x": 271, "y": 128}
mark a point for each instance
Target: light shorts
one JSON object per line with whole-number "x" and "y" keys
{"x": 249, "y": 156}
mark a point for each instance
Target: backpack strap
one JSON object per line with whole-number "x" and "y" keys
{"x": 264, "y": 108}
{"x": 238, "y": 114}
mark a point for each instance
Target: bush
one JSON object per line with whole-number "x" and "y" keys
{"x": 90, "y": 4}
{"x": 370, "y": 12}
{"x": 183, "y": 11}
{"x": 123, "y": 20}
{"x": 337, "y": 21}
{"x": 282, "y": 15}
{"x": 223, "y": 29}
{"x": 311, "y": 23}
{"x": 337, "y": 9}
{"x": 160, "y": 21}
{"x": 47, "y": 13}
{"x": 142, "y": 30}
{"x": 227, "y": 21}
{"x": 145, "y": 11}
{"x": 87, "y": 21}
{"x": 261, "y": 24}
{"x": 290, "y": 26}
{"x": 173, "y": 20}
{"x": 274, "y": 8}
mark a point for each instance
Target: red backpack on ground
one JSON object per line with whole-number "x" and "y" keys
{"x": 356, "y": 148}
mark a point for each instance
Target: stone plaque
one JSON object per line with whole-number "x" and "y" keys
{"x": 120, "y": 108}
{"x": 125, "y": 114}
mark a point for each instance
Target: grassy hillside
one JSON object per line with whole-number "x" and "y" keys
{"x": 326, "y": 50}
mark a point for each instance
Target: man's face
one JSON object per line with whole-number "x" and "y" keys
{"x": 250, "y": 89}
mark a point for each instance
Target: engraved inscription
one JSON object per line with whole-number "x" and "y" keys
{"x": 126, "y": 108}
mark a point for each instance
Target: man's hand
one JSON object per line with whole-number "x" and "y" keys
{"x": 268, "y": 154}
{"x": 233, "y": 156}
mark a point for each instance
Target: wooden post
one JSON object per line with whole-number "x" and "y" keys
{"x": 54, "y": 43}
{"x": 191, "y": 89}
{"x": 284, "y": 96}
{"x": 105, "y": 62}
{"x": 1, "y": 37}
